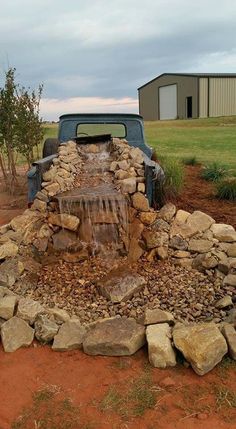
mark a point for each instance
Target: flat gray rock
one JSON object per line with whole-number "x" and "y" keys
{"x": 28, "y": 309}
{"x": 114, "y": 337}
{"x": 16, "y": 333}
{"x": 160, "y": 351}
{"x": 7, "y": 306}
{"x": 121, "y": 284}
{"x": 70, "y": 336}
{"x": 45, "y": 329}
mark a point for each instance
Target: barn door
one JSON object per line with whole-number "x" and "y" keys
{"x": 168, "y": 102}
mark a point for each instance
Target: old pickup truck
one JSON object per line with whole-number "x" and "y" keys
{"x": 76, "y": 126}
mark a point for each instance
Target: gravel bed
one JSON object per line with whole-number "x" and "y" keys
{"x": 189, "y": 295}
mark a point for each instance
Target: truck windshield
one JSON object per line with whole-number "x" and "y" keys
{"x": 116, "y": 130}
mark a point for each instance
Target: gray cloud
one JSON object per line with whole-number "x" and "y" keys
{"x": 100, "y": 48}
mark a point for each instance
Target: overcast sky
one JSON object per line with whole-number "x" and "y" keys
{"x": 93, "y": 55}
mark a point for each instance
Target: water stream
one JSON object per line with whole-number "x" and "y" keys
{"x": 102, "y": 210}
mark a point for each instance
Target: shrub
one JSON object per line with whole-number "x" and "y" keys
{"x": 192, "y": 160}
{"x": 214, "y": 172}
{"x": 172, "y": 184}
{"x": 226, "y": 189}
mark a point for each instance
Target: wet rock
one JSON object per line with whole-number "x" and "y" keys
{"x": 178, "y": 243}
{"x": 224, "y": 232}
{"x": 64, "y": 239}
{"x": 45, "y": 329}
{"x": 230, "y": 280}
{"x": 16, "y": 333}
{"x": 160, "y": 351}
{"x": 226, "y": 301}
{"x": 70, "y": 336}
{"x": 200, "y": 220}
{"x": 155, "y": 239}
{"x": 202, "y": 345}
{"x": 120, "y": 284}
{"x": 8, "y": 250}
{"x": 230, "y": 335}
{"x": 156, "y": 315}
{"x": 200, "y": 245}
{"x": 167, "y": 212}
{"x": 7, "y": 306}
{"x": 64, "y": 220}
{"x": 114, "y": 337}
{"x": 128, "y": 186}
{"x": 28, "y": 309}
{"x": 140, "y": 202}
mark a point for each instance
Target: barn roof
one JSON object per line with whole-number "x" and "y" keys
{"x": 190, "y": 75}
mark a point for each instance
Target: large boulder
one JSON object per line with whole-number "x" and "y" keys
{"x": 120, "y": 284}
{"x": 200, "y": 220}
{"x": 24, "y": 221}
{"x": 64, "y": 239}
{"x": 160, "y": 351}
{"x": 28, "y": 309}
{"x": 114, "y": 337}
{"x": 224, "y": 232}
{"x": 200, "y": 245}
{"x": 70, "y": 336}
{"x": 16, "y": 333}
{"x": 203, "y": 345}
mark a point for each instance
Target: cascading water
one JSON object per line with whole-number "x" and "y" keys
{"x": 102, "y": 210}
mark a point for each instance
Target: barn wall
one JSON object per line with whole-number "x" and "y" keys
{"x": 222, "y": 96}
{"x": 187, "y": 86}
{"x": 203, "y": 97}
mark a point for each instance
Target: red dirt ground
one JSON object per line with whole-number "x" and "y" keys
{"x": 73, "y": 391}
{"x": 198, "y": 194}
{"x": 35, "y": 381}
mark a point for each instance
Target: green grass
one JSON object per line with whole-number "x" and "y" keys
{"x": 226, "y": 189}
{"x": 214, "y": 172}
{"x": 210, "y": 140}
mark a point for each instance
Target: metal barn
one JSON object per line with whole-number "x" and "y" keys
{"x": 183, "y": 96}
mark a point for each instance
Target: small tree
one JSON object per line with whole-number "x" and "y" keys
{"x": 8, "y": 104}
{"x": 29, "y": 131}
{"x": 20, "y": 125}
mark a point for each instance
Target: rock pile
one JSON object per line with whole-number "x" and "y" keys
{"x": 195, "y": 282}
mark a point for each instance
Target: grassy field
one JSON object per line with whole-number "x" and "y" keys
{"x": 212, "y": 139}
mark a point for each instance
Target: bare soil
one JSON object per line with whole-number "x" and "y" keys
{"x": 198, "y": 194}
{"x": 41, "y": 389}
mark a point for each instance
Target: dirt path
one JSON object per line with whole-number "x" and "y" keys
{"x": 71, "y": 390}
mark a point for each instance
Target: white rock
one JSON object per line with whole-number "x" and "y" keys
{"x": 160, "y": 351}
{"x": 224, "y": 232}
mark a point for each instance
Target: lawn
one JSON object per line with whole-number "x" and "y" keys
{"x": 212, "y": 139}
